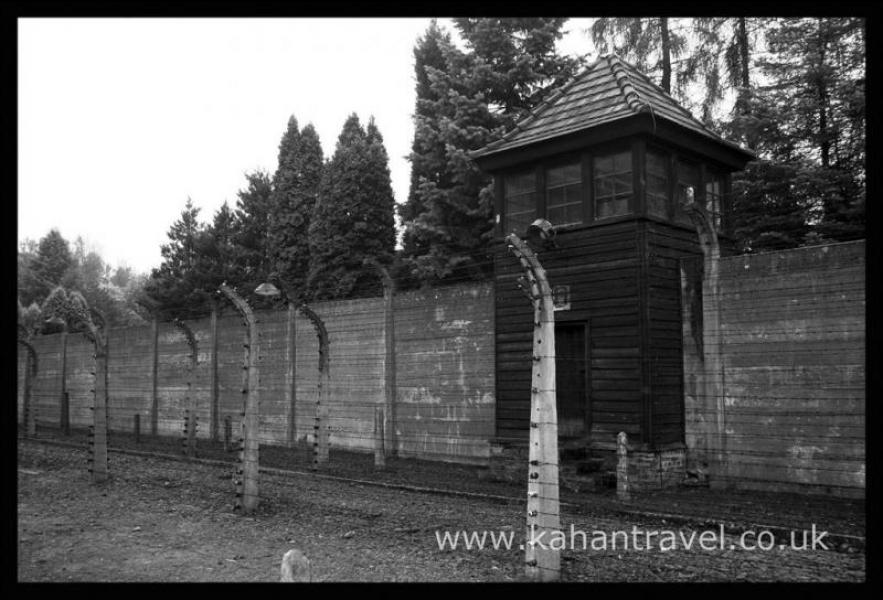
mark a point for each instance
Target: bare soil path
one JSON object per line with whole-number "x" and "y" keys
{"x": 160, "y": 520}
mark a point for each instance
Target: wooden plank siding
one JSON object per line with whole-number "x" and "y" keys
{"x": 624, "y": 283}
{"x": 666, "y": 244}
{"x": 601, "y": 265}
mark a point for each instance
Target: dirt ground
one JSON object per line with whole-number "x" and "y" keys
{"x": 162, "y": 520}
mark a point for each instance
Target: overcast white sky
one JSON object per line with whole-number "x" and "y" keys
{"x": 120, "y": 120}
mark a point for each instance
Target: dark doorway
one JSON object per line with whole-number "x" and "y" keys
{"x": 570, "y": 373}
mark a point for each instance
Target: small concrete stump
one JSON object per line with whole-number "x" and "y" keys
{"x": 295, "y": 567}
{"x": 379, "y": 450}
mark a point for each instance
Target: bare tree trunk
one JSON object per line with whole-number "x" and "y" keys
{"x": 666, "y": 54}
{"x": 824, "y": 139}
{"x": 742, "y": 42}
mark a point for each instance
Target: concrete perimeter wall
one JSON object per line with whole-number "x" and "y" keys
{"x": 444, "y": 393}
{"x": 774, "y": 369}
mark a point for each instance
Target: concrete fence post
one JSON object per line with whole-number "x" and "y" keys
{"x": 321, "y": 431}
{"x": 622, "y": 467}
{"x": 154, "y": 382}
{"x": 188, "y": 442}
{"x": 64, "y": 416}
{"x": 189, "y": 399}
{"x": 712, "y": 375}
{"x": 27, "y": 408}
{"x": 29, "y": 416}
{"x": 542, "y": 561}
{"x": 290, "y": 375}
{"x": 389, "y": 370}
{"x": 66, "y": 413}
{"x": 98, "y": 430}
{"x": 248, "y": 485}
{"x": 213, "y": 378}
{"x": 379, "y": 451}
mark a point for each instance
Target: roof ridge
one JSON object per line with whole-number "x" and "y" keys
{"x": 632, "y": 98}
{"x": 674, "y": 101}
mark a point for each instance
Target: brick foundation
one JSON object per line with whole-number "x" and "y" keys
{"x": 656, "y": 469}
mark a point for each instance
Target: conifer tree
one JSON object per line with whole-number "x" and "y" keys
{"x": 509, "y": 67}
{"x": 427, "y": 152}
{"x": 174, "y": 286}
{"x": 45, "y": 269}
{"x": 353, "y": 216}
{"x": 295, "y": 187}
{"x": 218, "y": 260}
{"x": 252, "y": 220}
{"x": 809, "y": 121}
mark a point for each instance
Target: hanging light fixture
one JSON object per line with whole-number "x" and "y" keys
{"x": 540, "y": 230}
{"x": 267, "y": 289}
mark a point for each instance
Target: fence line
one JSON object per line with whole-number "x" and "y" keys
{"x": 444, "y": 389}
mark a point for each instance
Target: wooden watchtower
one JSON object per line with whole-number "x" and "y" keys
{"x": 608, "y": 160}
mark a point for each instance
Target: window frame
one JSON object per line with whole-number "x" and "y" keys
{"x": 632, "y": 198}
{"x": 505, "y": 213}
{"x": 666, "y": 155}
{"x": 564, "y": 162}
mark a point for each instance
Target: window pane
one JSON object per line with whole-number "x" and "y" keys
{"x": 621, "y": 205}
{"x": 563, "y": 175}
{"x": 564, "y": 194}
{"x": 657, "y": 184}
{"x": 657, "y": 164}
{"x": 612, "y": 184}
{"x": 623, "y": 182}
{"x": 555, "y": 196}
{"x": 564, "y": 205}
{"x": 603, "y": 187}
{"x": 688, "y": 174}
{"x": 603, "y": 165}
{"x": 520, "y": 183}
{"x": 519, "y": 202}
{"x": 622, "y": 161}
{"x": 688, "y": 177}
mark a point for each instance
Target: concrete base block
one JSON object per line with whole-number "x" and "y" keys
{"x": 656, "y": 469}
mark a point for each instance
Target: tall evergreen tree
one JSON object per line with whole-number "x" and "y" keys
{"x": 509, "y": 67}
{"x": 68, "y": 306}
{"x": 295, "y": 187}
{"x": 252, "y": 227}
{"x": 41, "y": 272}
{"x": 650, "y": 43}
{"x": 173, "y": 286}
{"x": 810, "y": 118}
{"x": 427, "y": 152}
{"x": 218, "y": 257}
{"x": 353, "y": 216}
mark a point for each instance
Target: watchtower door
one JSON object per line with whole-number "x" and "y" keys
{"x": 571, "y": 388}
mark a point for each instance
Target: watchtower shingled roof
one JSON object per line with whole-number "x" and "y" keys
{"x": 607, "y": 90}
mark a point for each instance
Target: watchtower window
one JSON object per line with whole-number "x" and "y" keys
{"x": 564, "y": 205}
{"x": 714, "y": 190}
{"x": 657, "y": 183}
{"x": 520, "y": 209}
{"x": 688, "y": 182}
{"x": 613, "y": 184}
